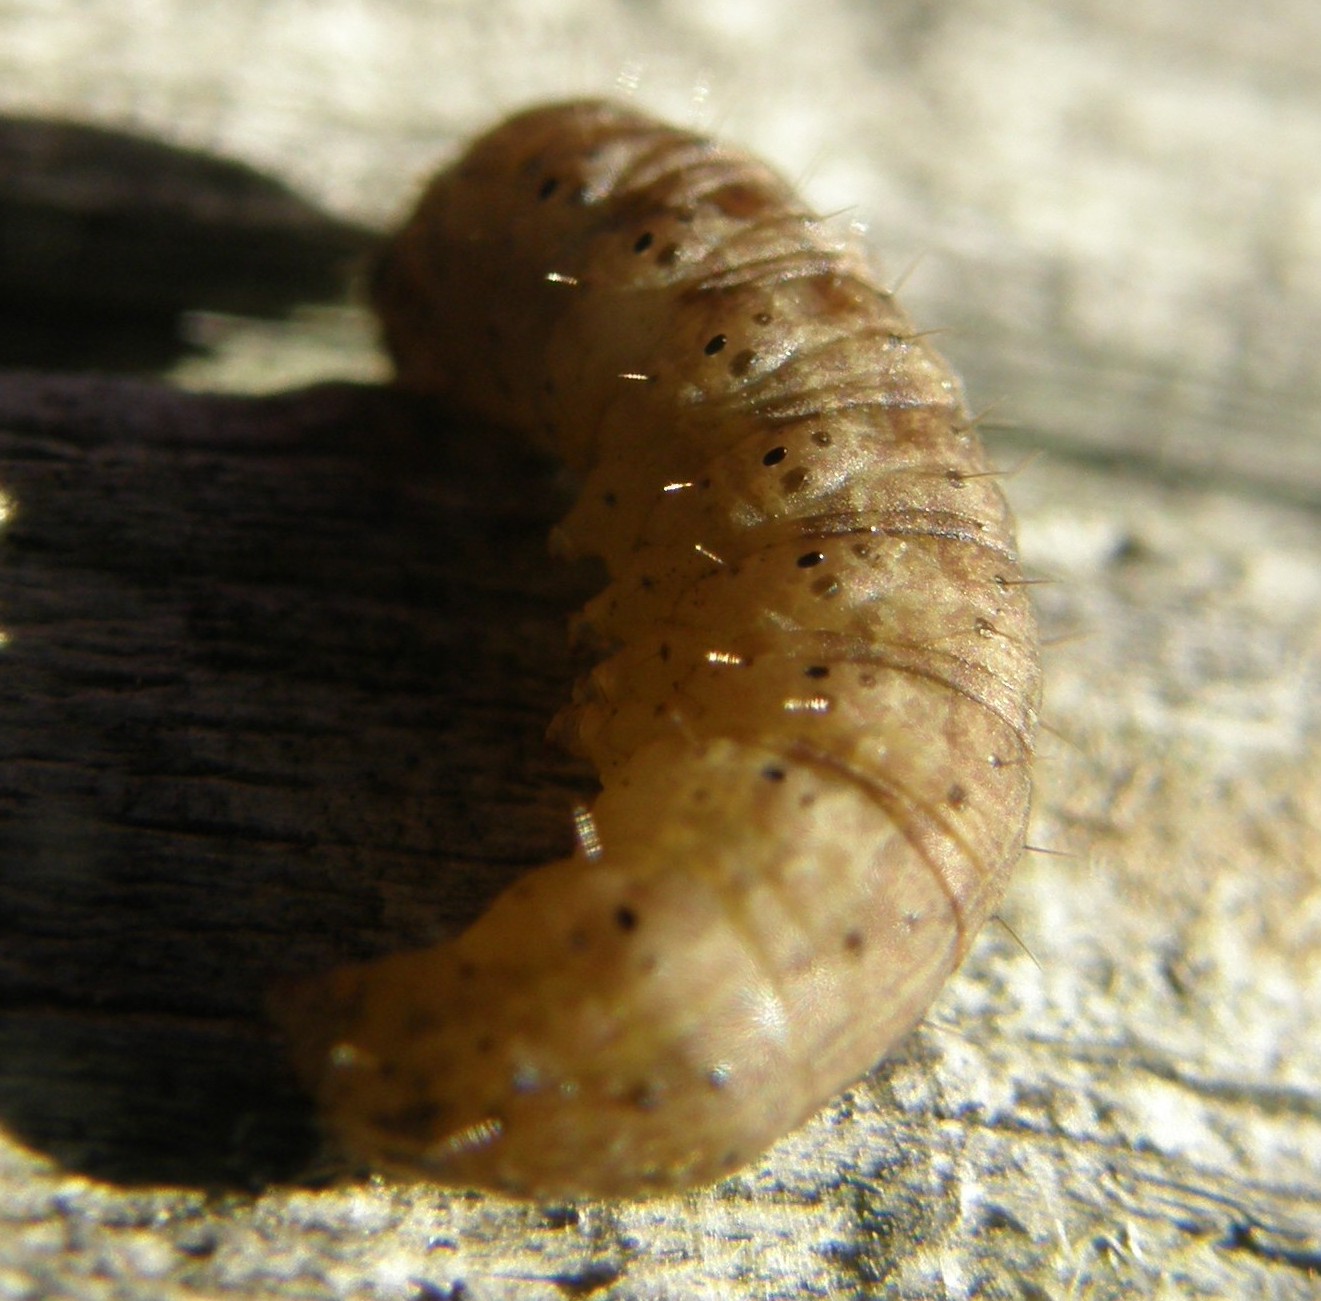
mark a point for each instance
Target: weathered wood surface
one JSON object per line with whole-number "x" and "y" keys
{"x": 275, "y": 675}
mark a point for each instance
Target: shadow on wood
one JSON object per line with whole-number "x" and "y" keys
{"x": 107, "y": 239}
{"x": 275, "y": 682}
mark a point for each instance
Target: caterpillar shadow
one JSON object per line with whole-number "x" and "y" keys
{"x": 276, "y": 678}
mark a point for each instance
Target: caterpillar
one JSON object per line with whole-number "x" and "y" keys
{"x": 815, "y": 698}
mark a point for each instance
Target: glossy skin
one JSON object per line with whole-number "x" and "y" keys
{"x": 814, "y": 715}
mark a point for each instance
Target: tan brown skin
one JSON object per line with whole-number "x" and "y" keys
{"x": 815, "y": 711}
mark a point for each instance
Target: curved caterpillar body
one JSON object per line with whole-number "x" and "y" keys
{"x": 813, "y": 717}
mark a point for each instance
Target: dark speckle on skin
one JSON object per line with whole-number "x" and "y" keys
{"x": 420, "y": 1021}
{"x": 742, "y": 363}
{"x": 647, "y": 1096}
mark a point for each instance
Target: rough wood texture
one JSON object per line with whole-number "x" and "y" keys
{"x": 274, "y": 685}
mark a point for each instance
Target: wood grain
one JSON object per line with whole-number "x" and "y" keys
{"x": 1136, "y": 1116}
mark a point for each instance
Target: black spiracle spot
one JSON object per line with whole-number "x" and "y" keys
{"x": 775, "y": 456}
